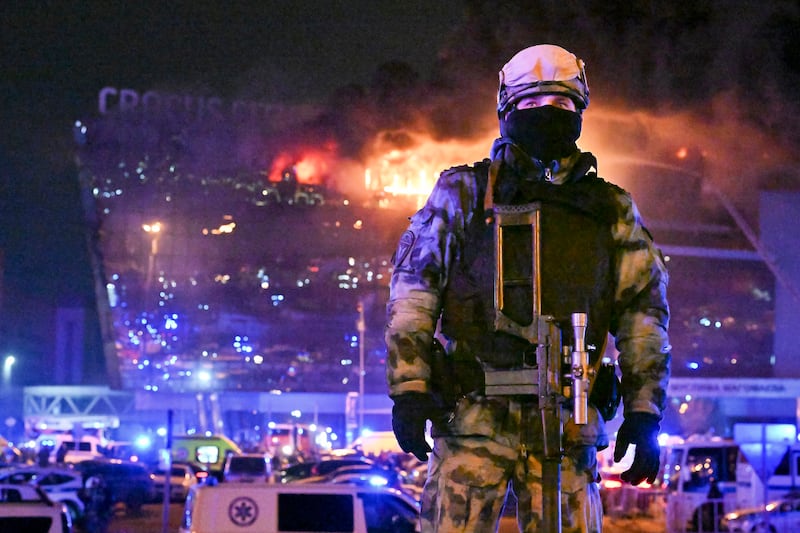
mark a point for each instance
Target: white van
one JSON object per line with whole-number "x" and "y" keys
{"x": 88, "y": 447}
{"x": 700, "y": 478}
{"x": 707, "y": 478}
{"x": 247, "y": 468}
{"x": 279, "y": 507}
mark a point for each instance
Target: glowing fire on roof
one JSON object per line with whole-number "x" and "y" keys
{"x": 412, "y": 169}
{"x": 406, "y": 163}
{"x": 311, "y": 165}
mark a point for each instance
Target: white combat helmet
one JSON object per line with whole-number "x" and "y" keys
{"x": 542, "y": 69}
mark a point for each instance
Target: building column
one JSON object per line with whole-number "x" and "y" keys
{"x": 778, "y": 214}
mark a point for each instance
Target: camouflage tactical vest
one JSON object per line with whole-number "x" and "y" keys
{"x": 577, "y": 269}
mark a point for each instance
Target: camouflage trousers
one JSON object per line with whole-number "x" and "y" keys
{"x": 472, "y": 476}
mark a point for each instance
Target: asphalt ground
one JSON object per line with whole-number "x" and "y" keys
{"x": 151, "y": 521}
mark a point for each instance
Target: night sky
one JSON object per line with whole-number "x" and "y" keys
{"x": 737, "y": 65}
{"x": 56, "y": 56}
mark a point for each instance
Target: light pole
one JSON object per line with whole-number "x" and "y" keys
{"x": 153, "y": 230}
{"x": 362, "y": 328}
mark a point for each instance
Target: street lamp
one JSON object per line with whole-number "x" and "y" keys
{"x": 153, "y": 230}
{"x": 7, "y": 364}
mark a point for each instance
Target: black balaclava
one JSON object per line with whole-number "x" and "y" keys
{"x": 546, "y": 133}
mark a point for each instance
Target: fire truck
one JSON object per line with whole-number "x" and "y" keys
{"x": 290, "y": 442}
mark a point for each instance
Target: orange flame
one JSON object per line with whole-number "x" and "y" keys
{"x": 413, "y": 170}
{"x": 311, "y": 165}
{"x": 405, "y": 164}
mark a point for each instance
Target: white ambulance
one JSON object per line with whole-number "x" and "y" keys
{"x": 288, "y": 507}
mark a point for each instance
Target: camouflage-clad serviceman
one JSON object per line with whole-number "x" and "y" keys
{"x": 596, "y": 257}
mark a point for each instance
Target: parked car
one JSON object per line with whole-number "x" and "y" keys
{"x": 413, "y": 474}
{"x": 363, "y": 474}
{"x": 247, "y": 468}
{"x": 60, "y": 484}
{"x": 184, "y": 477}
{"x": 779, "y": 516}
{"x": 27, "y": 508}
{"x": 319, "y": 468}
{"x": 129, "y": 483}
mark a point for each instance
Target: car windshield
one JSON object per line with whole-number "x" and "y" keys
{"x": 248, "y": 464}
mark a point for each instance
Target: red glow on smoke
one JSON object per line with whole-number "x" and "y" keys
{"x": 311, "y": 165}
{"x": 632, "y": 148}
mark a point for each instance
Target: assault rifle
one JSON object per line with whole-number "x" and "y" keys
{"x": 517, "y": 304}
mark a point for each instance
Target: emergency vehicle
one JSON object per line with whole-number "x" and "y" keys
{"x": 209, "y": 451}
{"x": 274, "y": 507}
{"x": 706, "y": 478}
{"x": 288, "y": 442}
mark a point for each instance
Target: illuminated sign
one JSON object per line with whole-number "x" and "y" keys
{"x": 112, "y": 99}
{"x": 735, "y": 387}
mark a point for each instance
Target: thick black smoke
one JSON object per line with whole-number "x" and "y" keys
{"x": 717, "y": 79}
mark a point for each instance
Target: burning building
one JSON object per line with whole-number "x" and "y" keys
{"x": 275, "y": 221}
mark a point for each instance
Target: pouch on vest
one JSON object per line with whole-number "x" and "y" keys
{"x": 451, "y": 377}
{"x": 605, "y": 395}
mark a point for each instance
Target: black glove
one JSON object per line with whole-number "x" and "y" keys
{"x": 640, "y": 429}
{"x": 409, "y": 415}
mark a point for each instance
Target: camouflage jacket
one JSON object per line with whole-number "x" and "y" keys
{"x": 432, "y": 243}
